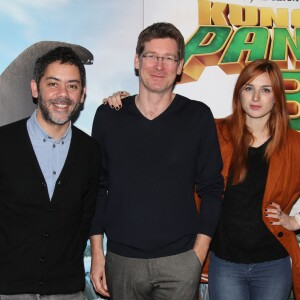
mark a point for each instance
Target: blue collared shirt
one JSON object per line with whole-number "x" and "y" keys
{"x": 51, "y": 154}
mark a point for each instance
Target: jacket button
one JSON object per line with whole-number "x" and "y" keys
{"x": 44, "y": 184}
{"x": 280, "y": 234}
{"x": 46, "y": 235}
{"x": 40, "y": 282}
{"x": 42, "y": 259}
{"x": 50, "y": 209}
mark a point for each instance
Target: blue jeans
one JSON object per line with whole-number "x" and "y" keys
{"x": 270, "y": 280}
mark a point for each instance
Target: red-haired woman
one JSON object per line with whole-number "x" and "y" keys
{"x": 255, "y": 239}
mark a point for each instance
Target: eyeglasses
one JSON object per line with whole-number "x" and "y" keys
{"x": 166, "y": 60}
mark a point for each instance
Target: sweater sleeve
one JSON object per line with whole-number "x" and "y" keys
{"x": 209, "y": 181}
{"x": 97, "y": 226}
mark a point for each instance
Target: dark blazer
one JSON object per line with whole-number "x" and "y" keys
{"x": 42, "y": 241}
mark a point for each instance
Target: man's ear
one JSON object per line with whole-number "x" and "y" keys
{"x": 34, "y": 89}
{"x": 180, "y": 67}
{"x": 83, "y": 95}
{"x": 136, "y": 62}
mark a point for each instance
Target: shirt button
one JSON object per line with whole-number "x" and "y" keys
{"x": 280, "y": 234}
{"x": 54, "y": 146}
{"x": 44, "y": 140}
{"x": 63, "y": 142}
{"x": 54, "y": 173}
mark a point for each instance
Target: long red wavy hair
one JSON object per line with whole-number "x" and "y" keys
{"x": 239, "y": 133}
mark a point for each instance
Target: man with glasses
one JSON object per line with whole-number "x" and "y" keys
{"x": 157, "y": 149}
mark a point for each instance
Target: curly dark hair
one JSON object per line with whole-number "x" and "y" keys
{"x": 64, "y": 55}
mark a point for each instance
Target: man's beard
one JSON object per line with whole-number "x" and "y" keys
{"x": 49, "y": 117}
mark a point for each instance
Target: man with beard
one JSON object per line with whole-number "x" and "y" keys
{"x": 48, "y": 182}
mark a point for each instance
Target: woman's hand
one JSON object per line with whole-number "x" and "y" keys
{"x": 275, "y": 212}
{"x": 115, "y": 101}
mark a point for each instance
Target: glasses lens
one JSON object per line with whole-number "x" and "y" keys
{"x": 166, "y": 60}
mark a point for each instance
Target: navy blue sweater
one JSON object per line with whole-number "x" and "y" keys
{"x": 146, "y": 200}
